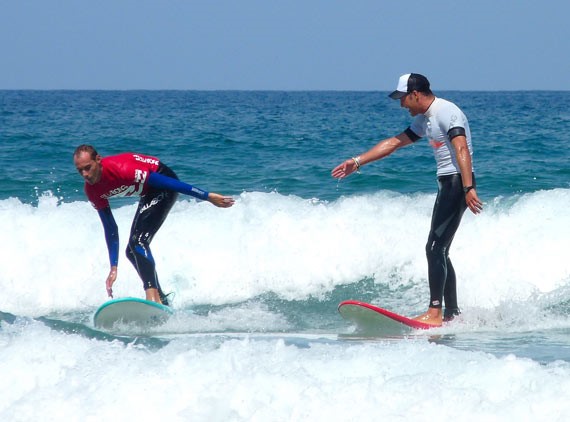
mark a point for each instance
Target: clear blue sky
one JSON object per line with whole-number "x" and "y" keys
{"x": 284, "y": 45}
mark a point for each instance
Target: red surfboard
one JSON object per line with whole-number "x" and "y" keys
{"x": 372, "y": 319}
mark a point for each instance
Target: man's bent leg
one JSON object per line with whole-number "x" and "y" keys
{"x": 151, "y": 213}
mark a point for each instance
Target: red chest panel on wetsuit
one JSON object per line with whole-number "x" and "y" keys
{"x": 122, "y": 175}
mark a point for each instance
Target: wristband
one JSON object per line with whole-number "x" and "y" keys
{"x": 357, "y": 163}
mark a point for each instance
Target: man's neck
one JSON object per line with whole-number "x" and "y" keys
{"x": 426, "y": 102}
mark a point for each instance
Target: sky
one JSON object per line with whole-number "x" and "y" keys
{"x": 362, "y": 45}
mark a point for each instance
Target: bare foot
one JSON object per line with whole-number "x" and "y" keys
{"x": 152, "y": 295}
{"x": 433, "y": 316}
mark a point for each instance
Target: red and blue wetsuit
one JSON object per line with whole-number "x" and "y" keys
{"x": 131, "y": 174}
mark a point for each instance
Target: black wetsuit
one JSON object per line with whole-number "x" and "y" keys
{"x": 447, "y": 212}
{"x": 153, "y": 208}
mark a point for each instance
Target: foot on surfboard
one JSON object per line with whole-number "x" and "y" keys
{"x": 166, "y": 299}
{"x": 450, "y": 314}
{"x": 432, "y": 317}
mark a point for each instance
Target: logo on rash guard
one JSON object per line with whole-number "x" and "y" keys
{"x": 124, "y": 190}
{"x": 120, "y": 191}
{"x": 146, "y": 160}
{"x": 436, "y": 144}
{"x": 452, "y": 121}
{"x": 140, "y": 176}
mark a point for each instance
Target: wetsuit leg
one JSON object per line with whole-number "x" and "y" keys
{"x": 151, "y": 213}
{"x": 447, "y": 213}
{"x": 450, "y": 293}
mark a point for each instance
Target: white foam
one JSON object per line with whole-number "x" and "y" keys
{"x": 260, "y": 379}
{"x": 54, "y": 259}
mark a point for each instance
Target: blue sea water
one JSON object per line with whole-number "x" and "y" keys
{"x": 256, "y": 334}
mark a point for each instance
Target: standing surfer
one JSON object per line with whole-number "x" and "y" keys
{"x": 447, "y": 129}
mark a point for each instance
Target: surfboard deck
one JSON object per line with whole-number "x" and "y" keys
{"x": 371, "y": 319}
{"x": 131, "y": 311}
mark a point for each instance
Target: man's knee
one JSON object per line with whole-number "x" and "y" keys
{"x": 436, "y": 251}
{"x": 129, "y": 252}
{"x": 432, "y": 249}
{"x": 136, "y": 250}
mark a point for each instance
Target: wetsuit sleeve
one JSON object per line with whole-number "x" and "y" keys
{"x": 159, "y": 181}
{"x": 456, "y": 131}
{"x": 111, "y": 234}
{"x": 411, "y": 134}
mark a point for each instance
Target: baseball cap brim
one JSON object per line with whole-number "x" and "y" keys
{"x": 396, "y": 95}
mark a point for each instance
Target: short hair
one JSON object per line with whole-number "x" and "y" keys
{"x": 88, "y": 149}
{"x": 420, "y": 83}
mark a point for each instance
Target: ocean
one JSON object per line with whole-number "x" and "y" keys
{"x": 256, "y": 335}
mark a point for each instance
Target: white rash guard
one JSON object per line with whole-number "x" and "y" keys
{"x": 435, "y": 123}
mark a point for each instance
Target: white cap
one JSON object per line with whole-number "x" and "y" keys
{"x": 408, "y": 83}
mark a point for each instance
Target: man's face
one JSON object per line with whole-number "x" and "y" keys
{"x": 88, "y": 168}
{"x": 411, "y": 102}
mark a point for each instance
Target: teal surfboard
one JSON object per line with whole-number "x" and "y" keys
{"x": 131, "y": 311}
